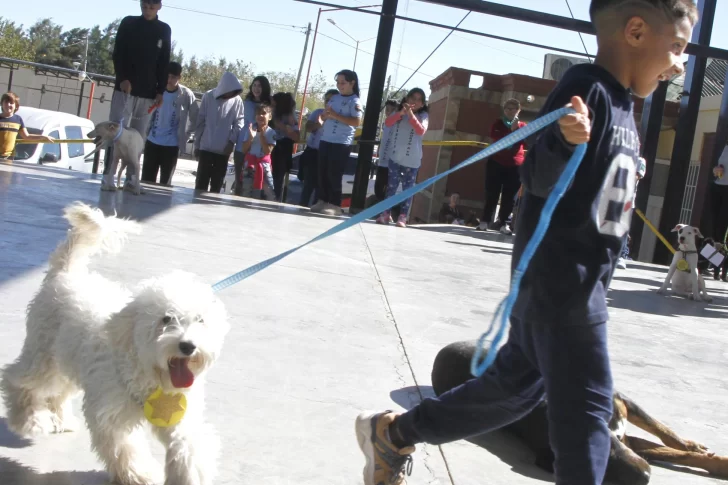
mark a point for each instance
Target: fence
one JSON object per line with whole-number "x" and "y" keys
{"x": 691, "y": 185}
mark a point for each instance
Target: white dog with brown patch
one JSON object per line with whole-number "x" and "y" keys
{"x": 137, "y": 356}
{"x": 128, "y": 147}
{"x": 683, "y": 274}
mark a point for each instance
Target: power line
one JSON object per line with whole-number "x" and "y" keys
{"x": 510, "y": 53}
{"x": 230, "y": 17}
{"x": 367, "y": 52}
{"x": 582, "y": 38}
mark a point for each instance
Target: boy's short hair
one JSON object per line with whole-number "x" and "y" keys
{"x": 264, "y": 108}
{"x": 174, "y": 68}
{"x": 610, "y": 15}
{"x": 331, "y": 92}
{"x": 512, "y": 102}
{"x": 391, "y": 102}
{"x": 11, "y": 96}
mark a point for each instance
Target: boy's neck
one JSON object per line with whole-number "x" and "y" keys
{"x": 615, "y": 66}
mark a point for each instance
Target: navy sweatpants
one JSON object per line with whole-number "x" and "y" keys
{"x": 568, "y": 364}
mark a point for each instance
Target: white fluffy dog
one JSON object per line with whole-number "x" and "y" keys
{"x": 683, "y": 274}
{"x": 87, "y": 333}
{"x": 128, "y": 147}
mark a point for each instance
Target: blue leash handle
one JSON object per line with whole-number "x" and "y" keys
{"x": 503, "y": 311}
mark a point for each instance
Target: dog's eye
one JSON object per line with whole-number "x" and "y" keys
{"x": 167, "y": 319}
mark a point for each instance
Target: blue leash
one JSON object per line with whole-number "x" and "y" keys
{"x": 505, "y": 307}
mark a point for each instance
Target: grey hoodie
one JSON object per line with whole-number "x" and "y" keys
{"x": 219, "y": 121}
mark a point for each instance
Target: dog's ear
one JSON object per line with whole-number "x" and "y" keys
{"x": 698, "y": 233}
{"x": 677, "y": 228}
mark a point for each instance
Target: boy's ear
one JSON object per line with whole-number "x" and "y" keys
{"x": 635, "y": 31}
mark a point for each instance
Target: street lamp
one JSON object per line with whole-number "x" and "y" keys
{"x": 352, "y": 38}
{"x": 313, "y": 46}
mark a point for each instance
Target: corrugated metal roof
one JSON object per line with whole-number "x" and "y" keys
{"x": 715, "y": 73}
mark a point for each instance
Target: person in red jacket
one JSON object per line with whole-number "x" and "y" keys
{"x": 502, "y": 179}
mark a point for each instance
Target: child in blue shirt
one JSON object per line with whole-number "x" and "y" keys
{"x": 557, "y": 343}
{"x": 308, "y": 160}
{"x": 259, "y": 140}
{"x": 340, "y": 119}
{"x": 259, "y": 93}
{"x": 287, "y": 134}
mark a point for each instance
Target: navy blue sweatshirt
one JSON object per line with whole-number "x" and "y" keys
{"x": 141, "y": 55}
{"x": 568, "y": 278}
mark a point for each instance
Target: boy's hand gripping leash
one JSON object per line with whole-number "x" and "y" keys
{"x": 504, "y": 308}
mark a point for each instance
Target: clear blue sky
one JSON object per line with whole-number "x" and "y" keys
{"x": 280, "y": 47}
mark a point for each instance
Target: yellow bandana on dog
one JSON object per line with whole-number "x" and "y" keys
{"x": 165, "y": 410}
{"x": 683, "y": 265}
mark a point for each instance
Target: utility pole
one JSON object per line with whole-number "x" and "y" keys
{"x": 303, "y": 58}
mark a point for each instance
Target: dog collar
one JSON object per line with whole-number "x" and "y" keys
{"x": 163, "y": 409}
{"x": 121, "y": 130}
{"x": 683, "y": 265}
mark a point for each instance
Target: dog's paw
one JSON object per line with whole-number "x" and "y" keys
{"x": 108, "y": 188}
{"x": 662, "y": 291}
{"x": 67, "y": 424}
{"x": 695, "y": 447}
{"x": 707, "y": 298}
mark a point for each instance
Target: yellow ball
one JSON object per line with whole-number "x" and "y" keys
{"x": 165, "y": 410}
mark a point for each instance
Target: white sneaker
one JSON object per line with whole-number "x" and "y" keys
{"x": 506, "y": 230}
{"x": 318, "y": 206}
{"x": 621, "y": 263}
{"x": 483, "y": 226}
{"x": 331, "y": 210}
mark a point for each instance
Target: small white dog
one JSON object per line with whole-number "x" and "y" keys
{"x": 128, "y": 147}
{"x": 132, "y": 354}
{"x": 683, "y": 273}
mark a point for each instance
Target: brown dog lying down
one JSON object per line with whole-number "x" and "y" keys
{"x": 629, "y": 456}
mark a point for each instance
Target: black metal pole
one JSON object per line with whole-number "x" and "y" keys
{"x": 80, "y": 100}
{"x": 374, "y": 101}
{"x": 652, "y": 114}
{"x": 685, "y": 130}
{"x": 10, "y": 79}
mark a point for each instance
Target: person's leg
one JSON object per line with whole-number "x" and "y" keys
{"x": 169, "y": 164}
{"x": 575, "y": 365}
{"x": 219, "y": 169}
{"x": 323, "y": 174}
{"x": 268, "y": 183}
{"x": 720, "y": 211}
{"x": 394, "y": 178}
{"x": 381, "y": 182}
{"x": 409, "y": 178}
{"x": 337, "y": 162}
{"x": 506, "y": 392}
{"x": 308, "y": 162}
{"x": 511, "y": 183}
{"x": 279, "y": 169}
{"x": 204, "y": 171}
{"x": 140, "y": 117}
{"x": 153, "y": 155}
{"x": 492, "y": 192}
{"x": 239, "y": 161}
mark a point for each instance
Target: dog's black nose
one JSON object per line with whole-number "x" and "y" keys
{"x": 187, "y": 348}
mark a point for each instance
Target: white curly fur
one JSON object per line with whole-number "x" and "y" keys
{"x": 86, "y": 333}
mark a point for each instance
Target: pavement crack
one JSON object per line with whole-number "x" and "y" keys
{"x": 405, "y": 357}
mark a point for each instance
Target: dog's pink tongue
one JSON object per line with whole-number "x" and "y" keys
{"x": 180, "y": 374}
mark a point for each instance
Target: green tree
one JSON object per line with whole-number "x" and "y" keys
{"x": 46, "y": 38}
{"x": 73, "y": 47}
{"x": 14, "y": 43}
{"x": 101, "y": 47}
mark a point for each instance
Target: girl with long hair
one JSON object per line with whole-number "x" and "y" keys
{"x": 258, "y": 93}
{"x": 287, "y": 134}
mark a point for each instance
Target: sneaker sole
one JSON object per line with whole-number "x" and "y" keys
{"x": 363, "y": 430}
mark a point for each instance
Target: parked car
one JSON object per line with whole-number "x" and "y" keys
{"x": 61, "y": 126}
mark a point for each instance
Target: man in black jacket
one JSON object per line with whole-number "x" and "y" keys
{"x": 141, "y": 55}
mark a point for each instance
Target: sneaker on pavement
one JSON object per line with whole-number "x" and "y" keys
{"x": 483, "y": 226}
{"x": 385, "y": 463}
{"x": 506, "y": 230}
{"x": 331, "y": 210}
{"x": 318, "y": 206}
{"x": 402, "y": 221}
{"x": 384, "y": 218}
{"x": 621, "y": 263}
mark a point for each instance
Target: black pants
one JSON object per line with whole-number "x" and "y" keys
{"x": 719, "y": 206}
{"x": 502, "y": 183}
{"x": 158, "y": 158}
{"x": 567, "y": 363}
{"x": 239, "y": 160}
{"x": 332, "y": 161}
{"x": 309, "y": 165}
{"x": 282, "y": 159}
{"x": 211, "y": 170}
{"x": 380, "y": 183}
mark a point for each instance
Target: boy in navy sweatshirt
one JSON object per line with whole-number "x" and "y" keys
{"x": 557, "y": 345}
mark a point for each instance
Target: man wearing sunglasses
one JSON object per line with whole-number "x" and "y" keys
{"x": 141, "y": 56}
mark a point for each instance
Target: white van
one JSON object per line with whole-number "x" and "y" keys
{"x": 61, "y": 126}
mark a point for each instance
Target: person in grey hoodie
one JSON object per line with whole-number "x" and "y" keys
{"x": 219, "y": 122}
{"x": 168, "y": 131}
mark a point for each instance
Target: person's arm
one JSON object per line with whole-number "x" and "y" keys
{"x": 551, "y": 150}
{"x": 352, "y": 120}
{"x": 392, "y": 119}
{"x": 200, "y": 123}
{"x": 119, "y": 54}
{"x": 23, "y": 132}
{"x": 236, "y": 127}
{"x": 420, "y": 126}
{"x": 163, "y": 61}
{"x": 268, "y": 142}
{"x": 312, "y": 123}
{"x": 248, "y": 138}
{"x": 194, "y": 111}
{"x": 291, "y": 130}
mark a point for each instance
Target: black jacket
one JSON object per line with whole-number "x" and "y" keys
{"x": 141, "y": 55}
